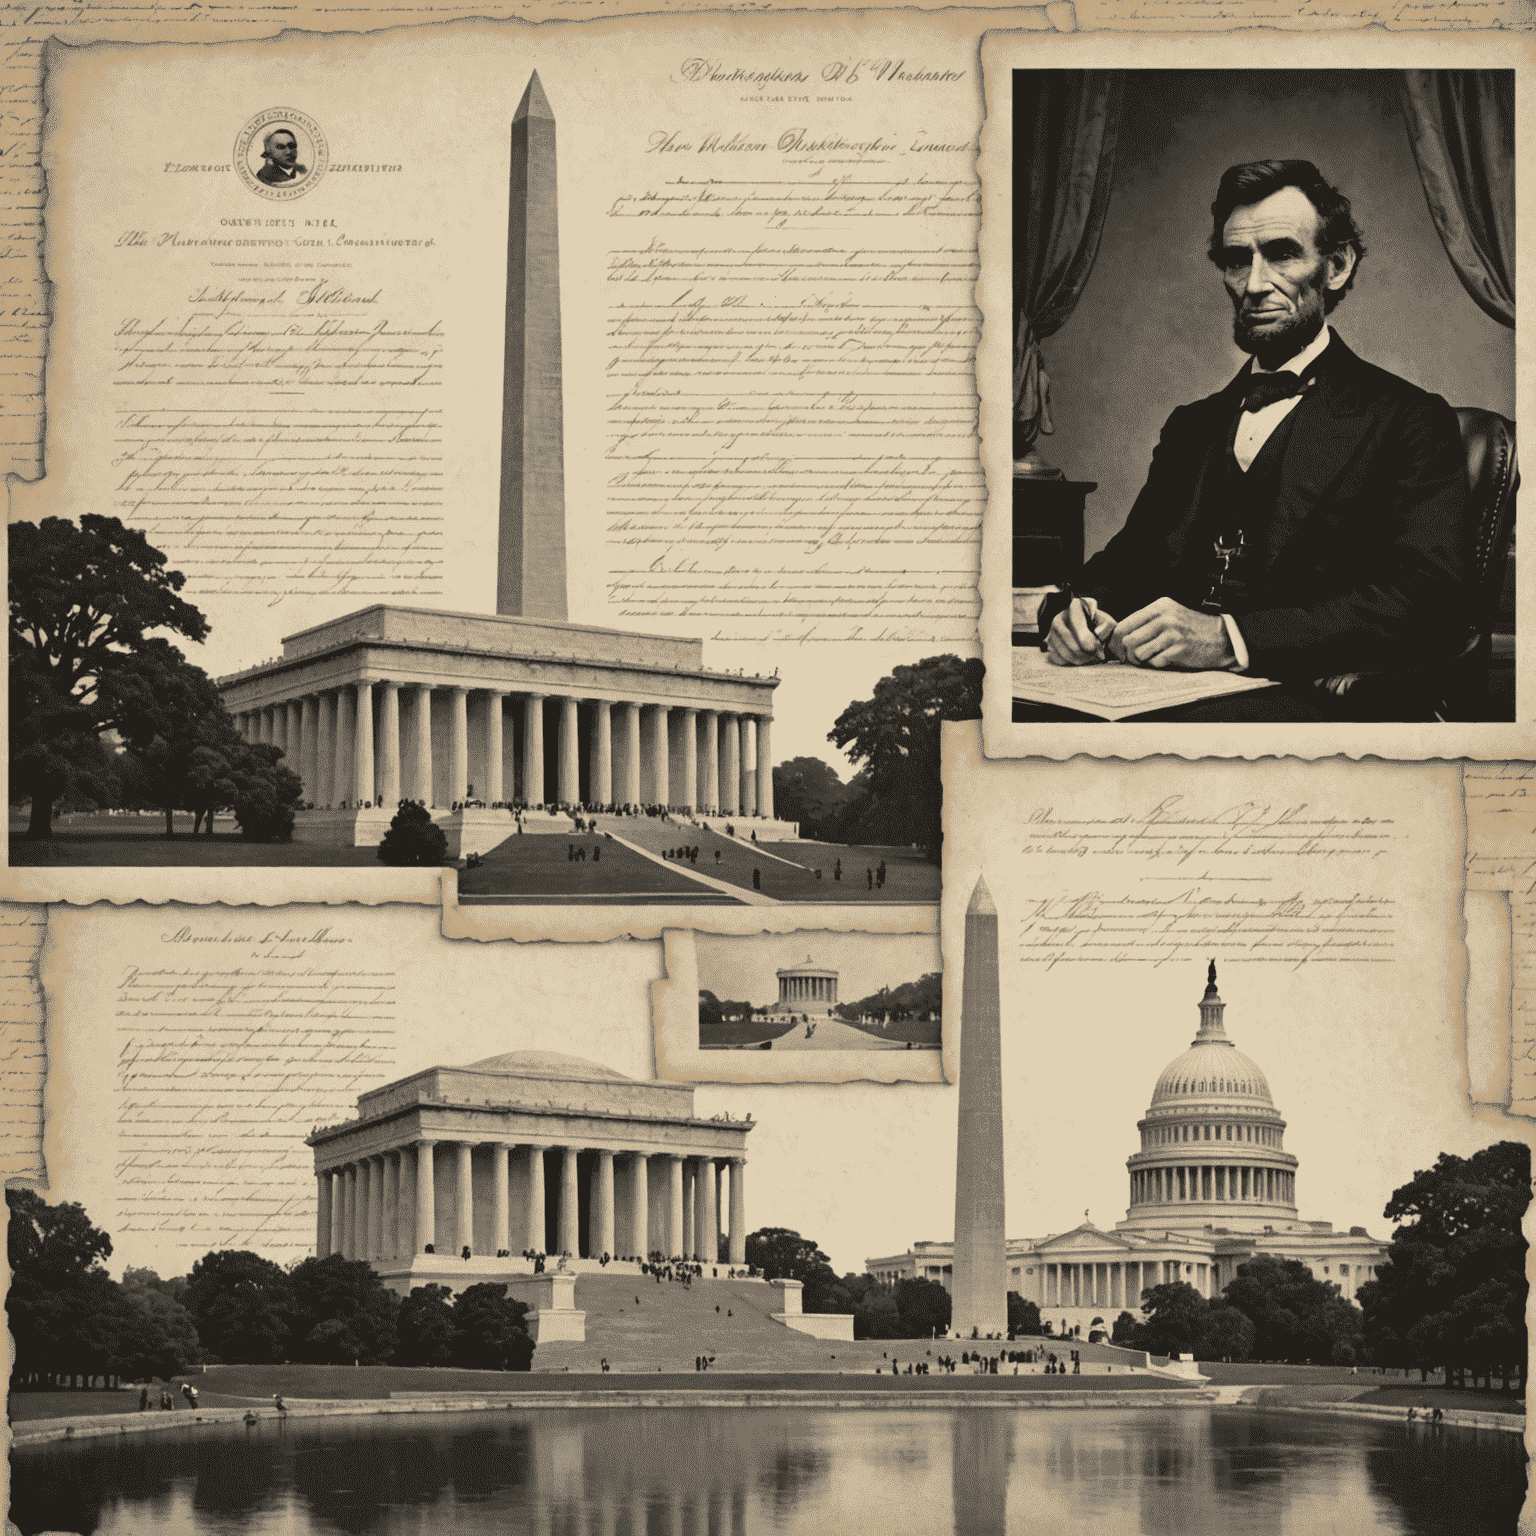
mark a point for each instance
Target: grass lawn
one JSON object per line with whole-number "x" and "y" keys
{"x": 140, "y": 842}
{"x": 1406, "y": 1397}
{"x": 925, "y": 1032}
{"x": 738, "y": 1032}
{"x": 539, "y": 866}
{"x": 54, "y": 1403}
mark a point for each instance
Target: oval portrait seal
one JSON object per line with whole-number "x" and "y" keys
{"x": 281, "y": 153}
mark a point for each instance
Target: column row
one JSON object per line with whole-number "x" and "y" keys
{"x": 809, "y": 989}
{"x": 1117, "y": 1285}
{"x": 582, "y": 1202}
{"x": 365, "y": 744}
{"x": 1214, "y": 1182}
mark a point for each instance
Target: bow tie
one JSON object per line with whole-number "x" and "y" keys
{"x": 1267, "y": 388}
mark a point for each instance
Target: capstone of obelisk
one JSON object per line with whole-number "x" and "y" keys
{"x": 980, "y": 1287}
{"x": 530, "y": 568}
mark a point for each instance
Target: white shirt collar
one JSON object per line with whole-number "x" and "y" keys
{"x": 1303, "y": 359}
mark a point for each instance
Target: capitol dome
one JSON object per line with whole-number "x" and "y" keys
{"x": 1212, "y": 1140}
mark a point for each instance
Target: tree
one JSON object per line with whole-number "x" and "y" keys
{"x": 240, "y": 1303}
{"x": 425, "y": 1327}
{"x": 489, "y": 1332}
{"x": 1453, "y": 1290}
{"x": 84, "y": 599}
{"x": 1229, "y": 1334}
{"x": 785, "y": 1255}
{"x": 896, "y": 733}
{"x": 1175, "y": 1314}
{"x": 912, "y": 999}
{"x": 808, "y": 791}
{"x": 1127, "y": 1332}
{"x": 1023, "y": 1316}
{"x": 339, "y": 1311}
{"x": 159, "y": 1337}
{"x": 875, "y": 1316}
{"x": 62, "y": 1303}
{"x": 413, "y": 838}
{"x": 1295, "y": 1316}
{"x": 924, "y": 1307}
{"x": 266, "y": 794}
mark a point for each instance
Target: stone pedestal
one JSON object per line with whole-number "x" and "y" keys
{"x": 342, "y": 829}
{"x": 476, "y": 829}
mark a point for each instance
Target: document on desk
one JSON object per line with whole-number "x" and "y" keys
{"x": 1116, "y": 690}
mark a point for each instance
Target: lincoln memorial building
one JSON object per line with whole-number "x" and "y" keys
{"x": 1210, "y": 1187}
{"x": 450, "y": 1175}
{"x": 409, "y": 703}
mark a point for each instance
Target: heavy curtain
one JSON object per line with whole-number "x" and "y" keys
{"x": 1461, "y": 123}
{"x": 1066, "y": 123}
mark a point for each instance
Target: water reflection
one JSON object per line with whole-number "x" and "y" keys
{"x": 697, "y": 1472}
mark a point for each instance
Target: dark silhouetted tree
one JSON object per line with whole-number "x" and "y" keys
{"x": 84, "y": 601}
{"x": 413, "y": 838}
{"x": 489, "y": 1333}
{"x": 424, "y": 1327}
{"x": 240, "y": 1303}
{"x": 339, "y": 1311}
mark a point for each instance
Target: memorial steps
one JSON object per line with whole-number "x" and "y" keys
{"x": 674, "y": 1323}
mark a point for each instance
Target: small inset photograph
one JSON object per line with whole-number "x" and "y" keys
{"x": 820, "y": 992}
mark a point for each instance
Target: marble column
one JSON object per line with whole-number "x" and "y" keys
{"x": 323, "y": 1214}
{"x": 465, "y": 1202}
{"x": 570, "y": 1204}
{"x": 631, "y": 754}
{"x": 309, "y": 758}
{"x": 389, "y": 1243}
{"x": 342, "y": 786}
{"x": 405, "y": 1206}
{"x": 738, "y": 1240}
{"x": 689, "y": 741}
{"x": 501, "y": 1201}
{"x": 421, "y": 769}
{"x": 364, "y": 1236}
{"x": 639, "y": 1242}
{"x": 706, "y": 1243}
{"x": 690, "y": 1209}
{"x": 721, "y": 1195}
{"x": 533, "y": 768}
{"x": 349, "y": 1211}
{"x": 339, "y": 1211}
{"x": 658, "y": 784}
{"x": 765, "y": 765}
{"x": 389, "y": 746}
{"x": 376, "y": 1209}
{"x": 730, "y": 774}
{"x": 601, "y": 767}
{"x": 534, "y": 1232}
{"x": 709, "y": 762}
{"x": 325, "y": 750}
{"x": 676, "y": 1238}
{"x": 568, "y": 756}
{"x": 426, "y": 1197}
{"x": 495, "y": 747}
{"x": 602, "y": 1206}
{"x": 293, "y": 741}
{"x": 748, "y": 777}
{"x": 362, "y": 750}
{"x": 458, "y": 758}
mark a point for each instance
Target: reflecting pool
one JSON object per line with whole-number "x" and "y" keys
{"x": 738, "y": 1472}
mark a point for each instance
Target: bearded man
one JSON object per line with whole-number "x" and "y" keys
{"x": 1306, "y": 521}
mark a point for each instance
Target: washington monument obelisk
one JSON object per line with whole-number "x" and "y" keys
{"x": 530, "y": 566}
{"x": 980, "y": 1285}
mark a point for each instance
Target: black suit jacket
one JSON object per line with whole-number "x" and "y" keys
{"x": 275, "y": 176}
{"x": 1366, "y": 555}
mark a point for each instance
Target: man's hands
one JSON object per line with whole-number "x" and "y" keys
{"x": 1078, "y": 633}
{"x": 1164, "y": 634}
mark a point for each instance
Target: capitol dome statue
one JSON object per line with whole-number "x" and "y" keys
{"x": 1212, "y": 1141}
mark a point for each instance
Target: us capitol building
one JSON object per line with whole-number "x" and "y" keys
{"x": 1211, "y": 1187}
